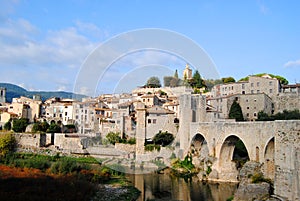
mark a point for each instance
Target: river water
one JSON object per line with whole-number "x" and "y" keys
{"x": 168, "y": 187}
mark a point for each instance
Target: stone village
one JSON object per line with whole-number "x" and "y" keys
{"x": 199, "y": 122}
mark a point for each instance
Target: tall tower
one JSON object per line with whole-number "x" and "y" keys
{"x": 2, "y": 95}
{"x": 187, "y": 73}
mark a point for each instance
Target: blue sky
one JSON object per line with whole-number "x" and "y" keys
{"x": 44, "y": 43}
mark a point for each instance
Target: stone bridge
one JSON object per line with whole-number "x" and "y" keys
{"x": 274, "y": 144}
{"x": 219, "y": 138}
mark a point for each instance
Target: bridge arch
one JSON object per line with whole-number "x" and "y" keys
{"x": 199, "y": 148}
{"x": 229, "y": 159}
{"x": 269, "y": 158}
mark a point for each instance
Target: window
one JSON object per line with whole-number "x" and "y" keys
{"x": 154, "y": 121}
{"x": 258, "y": 91}
{"x": 271, "y": 91}
{"x": 257, "y": 84}
{"x": 243, "y": 92}
{"x": 149, "y": 121}
{"x": 270, "y": 83}
{"x": 243, "y": 86}
{"x": 254, "y": 114}
{"x": 252, "y": 91}
{"x": 66, "y": 113}
{"x": 54, "y": 115}
{"x": 252, "y": 85}
{"x": 247, "y": 114}
{"x": 247, "y": 100}
{"x": 60, "y": 115}
{"x": 76, "y": 117}
{"x": 247, "y": 108}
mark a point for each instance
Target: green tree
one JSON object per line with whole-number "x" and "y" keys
{"x": 113, "y": 137}
{"x": 228, "y": 79}
{"x": 19, "y": 125}
{"x": 7, "y": 126}
{"x": 281, "y": 79}
{"x": 176, "y": 74}
{"x": 7, "y": 144}
{"x": 163, "y": 138}
{"x": 40, "y": 126}
{"x": 153, "y": 82}
{"x": 235, "y": 112}
{"x": 197, "y": 81}
{"x": 54, "y": 128}
{"x": 167, "y": 80}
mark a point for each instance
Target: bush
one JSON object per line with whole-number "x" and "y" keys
{"x": 163, "y": 138}
{"x": 131, "y": 141}
{"x": 7, "y": 126}
{"x": 65, "y": 166}
{"x": 40, "y": 126}
{"x": 113, "y": 138}
{"x": 54, "y": 128}
{"x": 19, "y": 125}
{"x": 151, "y": 147}
{"x": 259, "y": 177}
{"x": 7, "y": 144}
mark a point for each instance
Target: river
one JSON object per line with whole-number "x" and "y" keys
{"x": 163, "y": 187}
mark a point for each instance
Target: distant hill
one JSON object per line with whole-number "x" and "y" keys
{"x": 14, "y": 91}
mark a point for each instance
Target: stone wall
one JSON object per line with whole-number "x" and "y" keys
{"x": 68, "y": 144}
{"x": 125, "y": 147}
{"x": 286, "y": 101}
{"x": 28, "y": 140}
{"x": 287, "y": 161}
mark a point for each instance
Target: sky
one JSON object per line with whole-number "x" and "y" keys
{"x": 45, "y": 44}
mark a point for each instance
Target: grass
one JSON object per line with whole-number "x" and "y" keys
{"x": 43, "y": 177}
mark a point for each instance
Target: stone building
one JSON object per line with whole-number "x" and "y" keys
{"x": 2, "y": 95}
{"x": 26, "y": 108}
{"x": 250, "y": 104}
{"x": 254, "y": 85}
{"x": 159, "y": 119}
{"x": 150, "y": 100}
{"x": 58, "y": 110}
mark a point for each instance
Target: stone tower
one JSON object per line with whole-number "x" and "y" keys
{"x": 2, "y": 95}
{"x": 187, "y": 73}
{"x": 191, "y": 109}
{"x": 140, "y": 130}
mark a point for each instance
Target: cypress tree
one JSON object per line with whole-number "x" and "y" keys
{"x": 235, "y": 112}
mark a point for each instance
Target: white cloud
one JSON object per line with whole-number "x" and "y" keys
{"x": 42, "y": 56}
{"x": 292, "y": 64}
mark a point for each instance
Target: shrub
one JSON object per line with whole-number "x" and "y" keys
{"x": 113, "y": 137}
{"x": 7, "y": 126}
{"x": 131, "y": 141}
{"x": 7, "y": 144}
{"x": 151, "y": 147}
{"x": 54, "y": 128}
{"x": 163, "y": 138}
{"x": 19, "y": 125}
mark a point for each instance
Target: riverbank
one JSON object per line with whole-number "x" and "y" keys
{"x": 43, "y": 177}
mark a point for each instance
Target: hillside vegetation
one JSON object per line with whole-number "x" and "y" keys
{"x": 14, "y": 91}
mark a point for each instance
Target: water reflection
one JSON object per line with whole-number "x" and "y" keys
{"x": 167, "y": 187}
